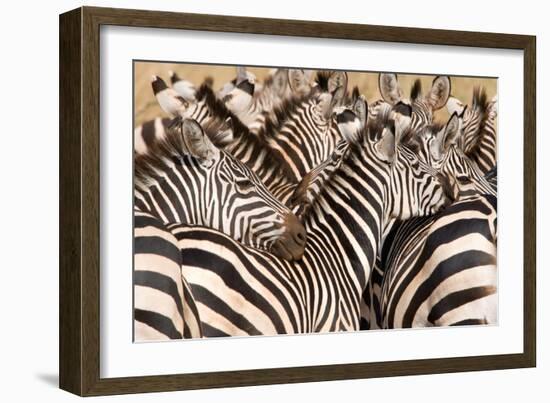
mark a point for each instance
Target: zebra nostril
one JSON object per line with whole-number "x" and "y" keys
{"x": 293, "y": 240}
{"x": 301, "y": 235}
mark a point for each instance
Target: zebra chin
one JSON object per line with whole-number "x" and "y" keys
{"x": 290, "y": 245}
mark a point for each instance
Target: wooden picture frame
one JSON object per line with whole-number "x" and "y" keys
{"x": 79, "y": 347}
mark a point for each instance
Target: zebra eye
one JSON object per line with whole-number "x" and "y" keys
{"x": 244, "y": 183}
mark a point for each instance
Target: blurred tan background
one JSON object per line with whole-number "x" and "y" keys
{"x": 146, "y": 107}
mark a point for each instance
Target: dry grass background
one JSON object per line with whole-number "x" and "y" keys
{"x": 147, "y": 108}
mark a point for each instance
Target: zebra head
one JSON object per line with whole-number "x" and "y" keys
{"x": 423, "y": 105}
{"x": 238, "y": 95}
{"x": 412, "y": 187}
{"x": 331, "y": 89}
{"x": 352, "y": 119}
{"x": 446, "y": 148}
{"x": 415, "y": 188}
{"x": 187, "y": 179}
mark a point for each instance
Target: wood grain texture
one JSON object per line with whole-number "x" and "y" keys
{"x": 80, "y": 200}
{"x": 70, "y": 274}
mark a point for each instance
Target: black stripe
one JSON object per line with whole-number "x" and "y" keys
{"x": 219, "y": 306}
{"x": 212, "y": 331}
{"x": 160, "y": 282}
{"x": 217, "y": 264}
{"x": 157, "y": 246}
{"x": 158, "y": 322}
{"x": 444, "y": 270}
{"x": 469, "y": 322}
{"x": 457, "y": 299}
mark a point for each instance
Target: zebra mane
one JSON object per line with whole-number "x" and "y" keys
{"x": 162, "y": 155}
{"x": 221, "y": 114}
{"x": 479, "y": 98}
{"x": 321, "y": 79}
{"x": 416, "y": 89}
{"x": 480, "y": 105}
{"x": 260, "y": 141}
{"x": 375, "y": 127}
{"x": 351, "y": 98}
{"x": 269, "y": 80}
{"x": 372, "y": 132}
{"x": 274, "y": 122}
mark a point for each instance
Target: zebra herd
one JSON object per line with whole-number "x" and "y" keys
{"x": 294, "y": 206}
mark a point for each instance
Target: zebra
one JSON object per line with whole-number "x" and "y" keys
{"x": 479, "y": 130}
{"x": 303, "y": 134}
{"x": 176, "y": 105}
{"x": 414, "y": 244}
{"x": 253, "y": 103}
{"x": 422, "y": 106}
{"x": 241, "y": 290}
{"x": 441, "y": 270}
{"x": 163, "y": 305}
{"x": 187, "y": 179}
{"x": 440, "y": 147}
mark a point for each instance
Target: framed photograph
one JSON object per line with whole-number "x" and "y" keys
{"x": 249, "y": 201}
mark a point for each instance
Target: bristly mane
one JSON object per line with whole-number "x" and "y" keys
{"x": 375, "y": 127}
{"x": 274, "y": 120}
{"x": 481, "y": 104}
{"x": 372, "y": 132}
{"x": 479, "y": 98}
{"x": 151, "y": 165}
{"x": 416, "y": 90}
{"x": 321, "y": 79}
{"x": 220, "y": 114}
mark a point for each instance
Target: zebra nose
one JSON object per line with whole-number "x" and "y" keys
{"x": 291, "y": 244}
{"x": 296, "y": 230}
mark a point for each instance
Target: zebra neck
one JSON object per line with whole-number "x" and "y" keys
{"x": 349, "y": 213}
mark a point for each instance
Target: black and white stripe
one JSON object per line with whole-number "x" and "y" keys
{"x": 186, "y": 179}
{"x": 239, "y": 290}
{"x": 163, "y": 306}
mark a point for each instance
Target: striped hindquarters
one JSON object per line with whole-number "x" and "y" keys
{"x": 163, "y": 305}
{"x": 445, "y": 274}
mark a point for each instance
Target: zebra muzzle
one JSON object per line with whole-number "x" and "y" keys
{"x": 292, "y": 242}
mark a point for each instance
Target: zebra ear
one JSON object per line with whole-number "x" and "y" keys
{"x": 338, "y": 86}
{"x": 280, "y": 81}
{"x": 446, "y": 137}
{"x": 360, "y": 108}
{"x": 197, "y": 142}
{"x": 452, "y": 131}
{"x": 389, "y": 88}
{"x": 440, "y": 92}
{"x": 169, "y": 100}
{"x": 242, "y": 75}
{"x": 298, "y": 80}
{"x": 385, "y": 147}
{"x": 416, "y": 90}
{"x": 455, "y": 106}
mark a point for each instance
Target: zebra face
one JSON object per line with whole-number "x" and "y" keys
{"x": 423, "y": 105}
{"x": 416, "y": 189}
{"x": 252, "y": 214}
{"x": 447, "y": 156}
{"x": 239, "y": 202}
{"x": 187, "y": 179}
{"x": 351, "y": 120}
